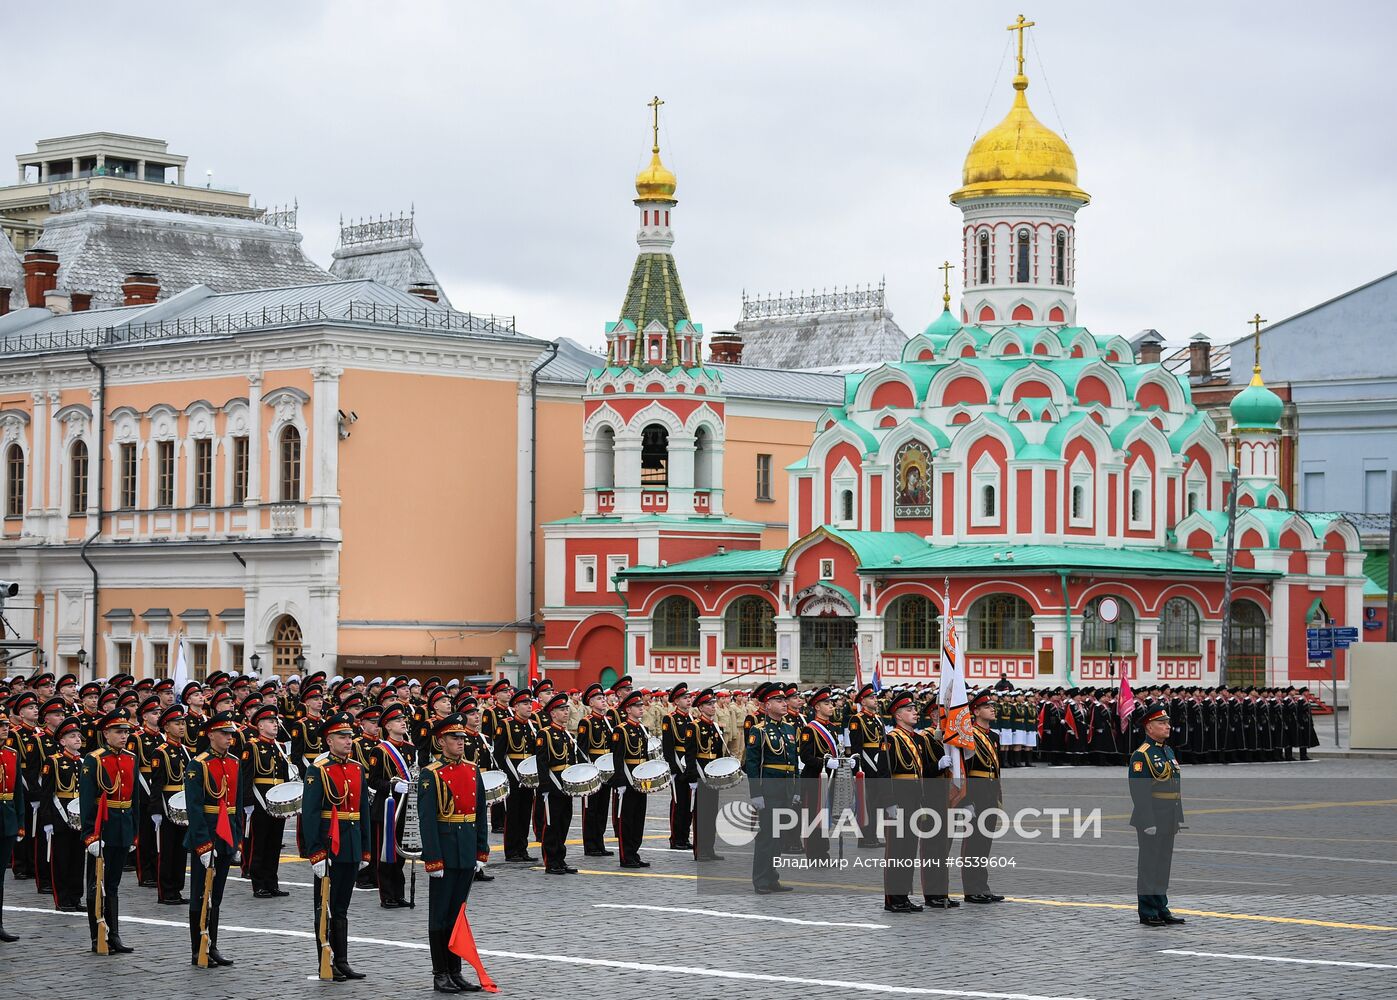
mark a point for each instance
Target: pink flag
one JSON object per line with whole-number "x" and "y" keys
{"x": 1126, "y": 702}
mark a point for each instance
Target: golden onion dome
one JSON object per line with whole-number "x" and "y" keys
{"x": 656, "y": 182}
{"x": 1020, "y": 156}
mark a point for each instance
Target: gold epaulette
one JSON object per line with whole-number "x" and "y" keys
{"x": 432, "y": 766}
{"x": 1143, "y": 747}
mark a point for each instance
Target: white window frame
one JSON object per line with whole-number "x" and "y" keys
{"x": 1195, "y": 483}
{"x": 985, "y": 473}
{"x": 1139, "y": 479}
{"x": 826, "y": 569}
{"x": 845, "y": 479}
{"x": 584, "y": 566}
{"x": 1081, "y": 476}
{"x": 614, "y": 565}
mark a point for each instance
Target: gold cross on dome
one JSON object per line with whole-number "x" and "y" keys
{"x": 1256, "y": 322}
{"x": 655, "y": 106}
{"x": 1021, "y": 26}
{"x": 946, "y": 270}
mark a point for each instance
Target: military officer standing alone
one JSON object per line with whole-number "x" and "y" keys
{"x": 1157, "y": 815}
{"x": 770, "y": 762}
{"x": 213, "y": 796}
{"x": 335, "y": 837}
{"x": 451, "y": 808}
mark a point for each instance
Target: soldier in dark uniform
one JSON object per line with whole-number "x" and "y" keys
{"x": 388, "y": 771}
{"x": 628, "y": 750}
{"x": 556, "y": 750}
{"x": 144, "y": 742}
{"x": 55, "y": 788}
{"x": 1157, "y": 815}
{"x": 705, "y": 745}
{"x": 1101, "y": 727}
{"x": 335, "y": 835}
{"x": 817, "y": 747}
{"x": 195, "y": 718}
{"x": 514, "y": 744}
{"x": 89, "y": 715}
{"x": 213, "y": 797}
{"x": 166, "y": 780}
{"x": 451, "y": 811}
{"x": 934, "y": 845}
{"x": 594, "y": 739}
{"x": 13, "y": 812}
{"x": 52, "y": 713}
{"x": 676, "y": 732}
{"x": 306, "y": 742}
{"x": 982, "y": 792}
{"x": 106, "y": 786}
{"x": 770, "y": 759}
{"x": 24, "y": 740}
{"x": 264, "y": 767}
{"x": 492, "y": 714}
{"x": 367, "y": 752}
{"x": 620, "y": 689}
{"x": 866, "y": 732}
{"x": 903, "y": 798}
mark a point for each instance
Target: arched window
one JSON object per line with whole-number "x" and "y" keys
{"x": 703, "y": 459}
{"x": 1062, "y": 258}
{"x": 1101, "y": 638}
{"x": 286, "y": 646}
{"x": 912, "y": 624}
{"x": 14, "y": 481}
{"x": 1137, "y": 506}
{"x": 984, "y": 258}
{"x": 1246, "y": 658}
{"x": 1001, "y": 623}
{"x": 1192, "y": 501}
{"x": 988, "y": 505}
{"x": 846, "y": 505}
{"x": 606, "y": 459}
{"x": 1079, "y": 496}
{"x": 654, "y": 456}
{"x": 1021, "y": 267}
{"x": 675, "y": 624}
{"x": 77, "y": 468}
{"x": 750, "y": 623}
{"x": 1178, "y": 628}
{"x": 290, "y": 464}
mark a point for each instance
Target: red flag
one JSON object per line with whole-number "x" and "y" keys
{"x": 223, "y": 828}
{"x": 533, "y": 665}
{"x": 1070, "y": 717}
{"x": 1126, "y": 703}
{"x": 463, "y": 943}
{"x": 334, "y": 829}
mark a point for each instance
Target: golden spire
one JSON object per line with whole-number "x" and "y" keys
{"x": 946, "y": 270}
{"x": 656, "y": 182}
{"x": 1256, "y": 322}
{"x": 1021, "y": 26}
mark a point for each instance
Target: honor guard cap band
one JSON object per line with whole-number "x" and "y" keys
{"x": 114, "y": 720}
{"x": 520, "y": 696}
{"x": 868, "y": 690}
{"x": 981, "y": 698}
{"x": 634, "y": 698}
{"x": 175, "y": 713}
{"x": 151, "y": 704}
{"x": 559, "y": 700}
{"x": 222, "y": 722}
{"x": 901, "y": 700}
{"x": 624, "y": 681}
{"x": 502, "y": 684}
{"x": 452, "y": 725}
{"x": 593, "y": 690}
{"x": 391, "y": 712}
{"x": 1158, "y": 712}
{"x": 65, "y": 727}
{"x": 468, "y": 704}
{"x": 26, "y": 698}
{"x": 678, "y": 691}
{"x": 704, "y": 697}
{"x": 340, "y": 722}
{"x": 371, "y": 714}
{"x": 819, "y": 695}
{"x": 38, "y": 679}
{"x": 67, "y": 679}
{"x": 773, "y": 691}
{"x": 54, "y": 705}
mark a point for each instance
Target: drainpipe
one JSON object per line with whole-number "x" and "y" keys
{"x": 533, "y": 488}
{"x": 100, "y": 419}
{"x": 625, "y": 624}
{"x": 1067, "y": 622}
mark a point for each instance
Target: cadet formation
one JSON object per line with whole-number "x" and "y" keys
{"x": 176, "y": 789}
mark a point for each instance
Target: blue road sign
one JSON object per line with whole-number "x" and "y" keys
{"x": 1351, "y": 634}
{"x": 1320, "y": 654}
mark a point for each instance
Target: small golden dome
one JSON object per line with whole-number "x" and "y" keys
{"x": 656, "y": 182}
{"x": 1020, "y": 156}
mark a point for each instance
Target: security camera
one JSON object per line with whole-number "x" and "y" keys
{"x": 8, "y": 588}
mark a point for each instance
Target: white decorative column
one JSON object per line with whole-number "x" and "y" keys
{"x": 37, "y": 454}
{"x": 54, "y": 496}
{"x": 681, "y": 474}
{"x": 94, "y": 486}
{"x": 627, "y": 491}
{"x": 715, "y": 493}
{"x": 325, "y": 447}
{"x": 255, "y": 445}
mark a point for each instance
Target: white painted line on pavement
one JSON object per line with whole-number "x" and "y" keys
{"x": 1277, "y": 958}
{"x": 606, "y": 963}
{"x": 739, "y": 916}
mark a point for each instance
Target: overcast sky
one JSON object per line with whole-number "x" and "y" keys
{"x": 1239, "y": 156}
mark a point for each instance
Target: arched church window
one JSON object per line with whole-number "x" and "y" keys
{"x": 1137, "y": 506}
{"x": 1062, "y": 258}
{"x": 1021, "y": 267}
{"x": 988, "y": 505}
{"x": 984, "y": 258}
{"x": 1102, "y": 637}
{"x": 750, "y": 623}
{"x": 675, "y": 624}
{"x": 846, "y": 505}
{"x": 1078, "y": 500}
{"x": 703, "y": 459}
{"x": 912, "y": 624}
{"x": 1000, "y": 623}
{"x": 606, "y": 459}
{"x": 654, "y": 456}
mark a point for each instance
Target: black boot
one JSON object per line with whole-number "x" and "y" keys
{"x": 114, "y": 942}
{"x": 441, "y": 978}
{"x": 339, "y": 944}
{"x": 214, "y": 957}
{"x": 6, "y": 937}
{"x": 194, "y": 936}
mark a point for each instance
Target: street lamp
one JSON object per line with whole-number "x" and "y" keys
{"x": 256, "y": 662}
{"x": 300, "y": 662}
{"x": 82, "y": 657}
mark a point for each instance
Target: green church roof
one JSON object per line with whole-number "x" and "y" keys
{"x": 1257, "y": 407}
{"x": 655, "y": 294}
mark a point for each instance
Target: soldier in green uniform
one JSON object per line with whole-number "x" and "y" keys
{"x": 106, "y": 787}
{"x": 335, "y": 836}
{"x": 451, "y": 814}
{"x": 769, "y": 760}
{"x": 213, "y": 797}
{"x": 1157, "y": 815}
{"x": 12, "y": 812}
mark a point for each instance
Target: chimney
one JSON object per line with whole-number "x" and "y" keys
{"x": 423, "y": 290}
{"x": 40, "y": 275}
{"x": 4, "y": 301}
{"x": 1151, "y": 349}
{"x": 1200, "y": 365}
{"x": 57, "y": 302}
{"x": 140, "y": 289}
{"x": 82, "y": 301}
{"x": 725, "y": 348}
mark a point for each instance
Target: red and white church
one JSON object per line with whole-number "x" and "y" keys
{"x": 1010, "y": 470}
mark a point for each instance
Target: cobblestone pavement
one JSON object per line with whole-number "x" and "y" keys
{"x": 613, "y": 933}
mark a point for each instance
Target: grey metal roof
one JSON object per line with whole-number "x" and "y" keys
{"x": 11, "y": 272}
{"x": 572, "y": 365}
{"x": 397, "y": 263}
{"x": 816, "y": 340}
{"x": 98, "y": 246}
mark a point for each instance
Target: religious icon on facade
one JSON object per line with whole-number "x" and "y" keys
{"x": 912, "y": 496}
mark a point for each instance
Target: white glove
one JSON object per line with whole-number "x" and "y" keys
{"x": 1150, "y": 831}
{"x": 155, "y": 819}
{"x": 206, "y": 859}
{"x": 399, "y": 787}
{"x": 944, "y": 762}
{"x": 892, "y": 812}
{"x": 237, "y": 857}
{"x": 795, "y": 800}
{"x": 437, "y": 874}
{"x": 48, "y": 831}
{"x": 759, "y": 802}
{"x": 831, "y": 764}
{"x": 94, "y": 848}
{"x": 319, "y": 868}
{"x": 480, "y": 866}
